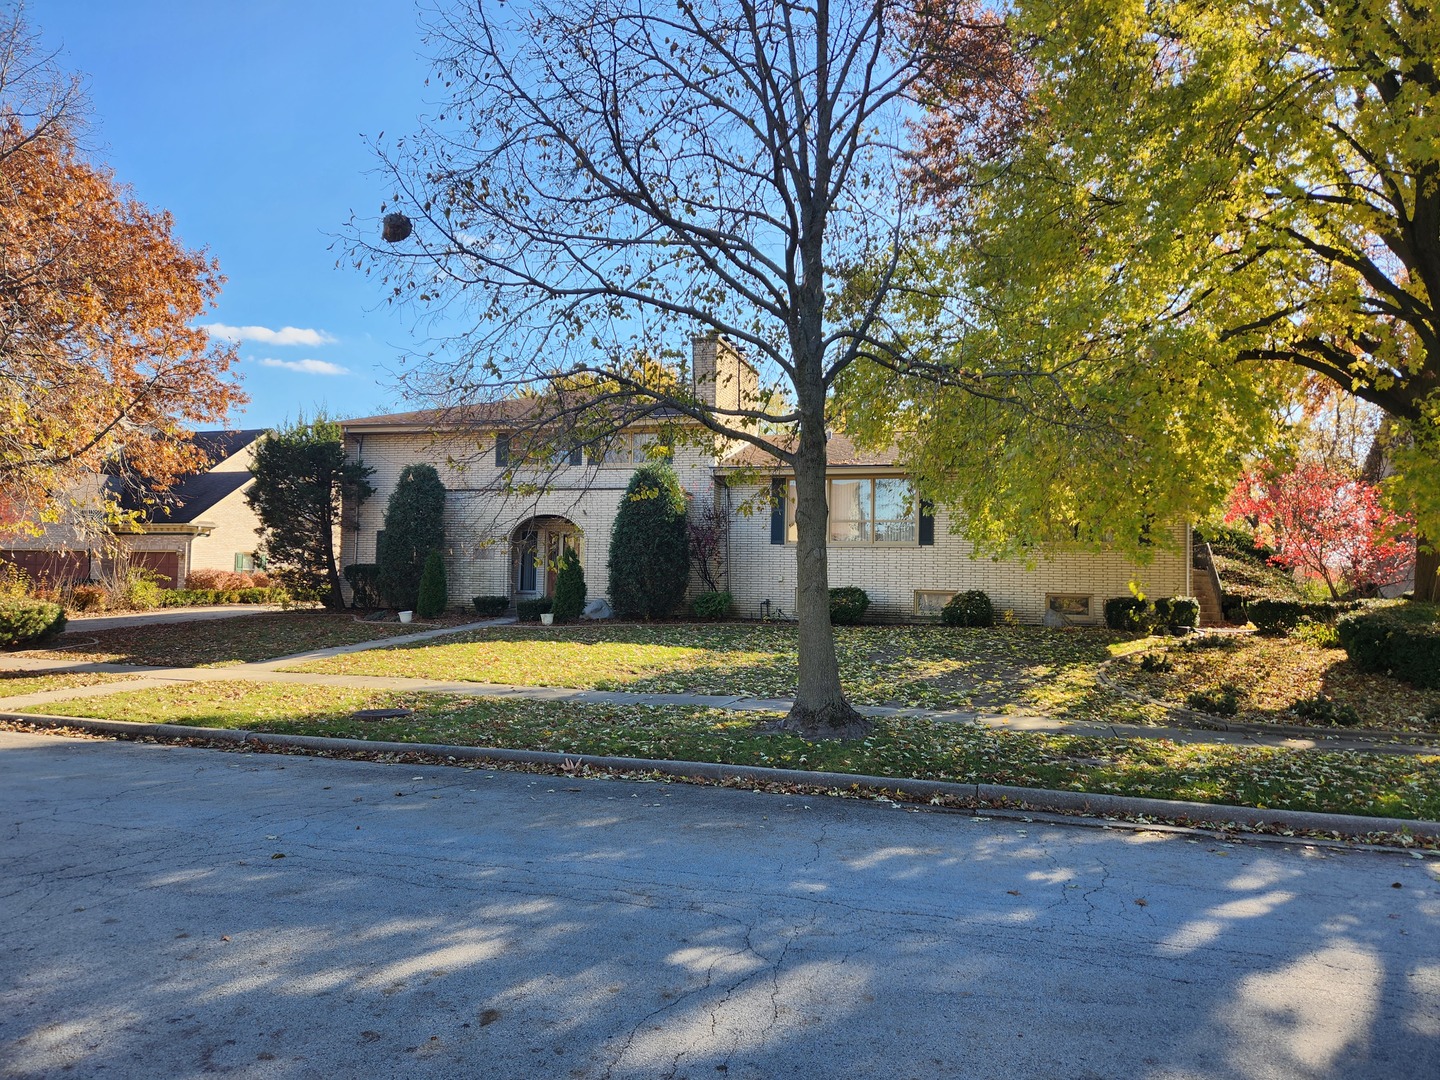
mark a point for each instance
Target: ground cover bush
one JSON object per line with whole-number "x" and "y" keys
{"x": 1375, "y": 784}
{"x": 1403, "y": 639}
{"x": 29, "y": 621}
{"x": 1271, "y": 674}
{"x": 1177, "y": 613}
{"x": 1216, "y": 700}
{"x": 712, "y": 605}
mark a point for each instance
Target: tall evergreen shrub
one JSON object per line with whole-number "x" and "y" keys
{"x": 414, "y": 527}
{"x": 569, "y": 589}
{"x": 434, "y": 591}
{"x": 649, "y": 551}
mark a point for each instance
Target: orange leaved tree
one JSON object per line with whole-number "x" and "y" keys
{"x": 99, "y": 366}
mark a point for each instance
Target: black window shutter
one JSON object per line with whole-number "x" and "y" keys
{"x": 927, "y": 523}
{"x": 777, "y": 511}
{"x": 502, "y": 450}
{"x": 577, "y": 456}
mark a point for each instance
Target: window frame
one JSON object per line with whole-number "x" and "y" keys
{"x": 870, "y": 521}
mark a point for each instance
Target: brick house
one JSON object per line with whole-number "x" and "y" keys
{"x": 201, "y": 521}
{"x": 882, "y": 539}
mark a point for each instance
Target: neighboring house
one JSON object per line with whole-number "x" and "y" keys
{"x": 500, "y": 543}
{"x": 201, "y": 521}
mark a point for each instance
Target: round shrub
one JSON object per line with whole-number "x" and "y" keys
{"x": 649, "y": 550}
{"x": 1125, "y": 613}
{"x": 569, "y": 599}
{"x": 712, "y": 605}
{"x": 1177, "y": 612}
{"x": 848, "y": 605}
{"x": 29, "y": 621}
{"x": 969, "y": 608}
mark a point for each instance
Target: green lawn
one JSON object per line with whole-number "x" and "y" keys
{"x": 924, "y": 666}
{"x": 15, "y": 683}
{"x": 221, "y": 642}
{"x": 1375, "y": 784}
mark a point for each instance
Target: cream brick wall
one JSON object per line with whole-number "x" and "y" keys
{"x": 234, "y": 531}
{"x": 480, "y": 518}
{"x": 891, "y": 574}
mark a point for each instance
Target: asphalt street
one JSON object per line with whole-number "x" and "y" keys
{"x": 174, "y": 912}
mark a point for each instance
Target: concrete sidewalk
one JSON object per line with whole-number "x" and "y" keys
{"x": 268, "y": 672}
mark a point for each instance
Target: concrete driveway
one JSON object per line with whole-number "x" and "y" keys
{"x": 177, "y": 912}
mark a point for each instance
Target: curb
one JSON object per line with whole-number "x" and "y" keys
{"x": 975, "y": 795}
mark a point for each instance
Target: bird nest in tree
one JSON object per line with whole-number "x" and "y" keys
{"x": 396, "y": 227}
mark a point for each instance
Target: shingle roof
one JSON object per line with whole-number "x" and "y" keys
{"x": 505, "y": 412}
{"x": 839, "y": 452}
{"x": 190, "y": 496}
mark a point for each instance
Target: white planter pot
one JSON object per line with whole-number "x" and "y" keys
{"x": 406, "y": 616}
{"x": 547, "y": 619}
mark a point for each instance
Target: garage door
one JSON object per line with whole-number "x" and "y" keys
{"x": 53, "y": 567}
{"x": 165, "y": 565}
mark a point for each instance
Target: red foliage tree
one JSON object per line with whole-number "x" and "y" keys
{"x": 1325, "y": 525}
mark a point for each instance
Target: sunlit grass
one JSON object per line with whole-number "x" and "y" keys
{"x": 910, "y": 666}
{"x": 1371, "y": 784}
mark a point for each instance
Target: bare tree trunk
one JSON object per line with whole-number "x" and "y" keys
{"x": 1427, "y": 571}
{"x": 820, "y": 709}
{"x": 334, "y": 598}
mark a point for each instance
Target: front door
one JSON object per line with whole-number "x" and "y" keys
{"x": 538, "y": 553}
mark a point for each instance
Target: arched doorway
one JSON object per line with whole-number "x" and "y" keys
{"x": 536, "y": 547}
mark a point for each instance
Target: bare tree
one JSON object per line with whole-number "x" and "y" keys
{"x": 608, "y": 177}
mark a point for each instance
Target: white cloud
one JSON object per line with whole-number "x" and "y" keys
{"x": 286, "y": 335}
{"x": 306, "y": 367}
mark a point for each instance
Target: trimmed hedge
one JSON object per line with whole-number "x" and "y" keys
{"x": 1172, "y": 613}
{"x": 1403, "y": 641}
{"x": 531, "y": 610}
{"x": 969, "y": 608}
{"x": 29, "y": 621}
{"x": 712, "y": 605}
{"x": 1276, "y": 617}
{"x": 491, "y": 605}
{"x": 274, "y": 594}
{"x": 1177, "y": 612}
{"x": 1125, "y": 613}
{"x": 848, "y": 605}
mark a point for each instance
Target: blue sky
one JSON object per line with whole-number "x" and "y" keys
{"x": 244, "y": 119}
